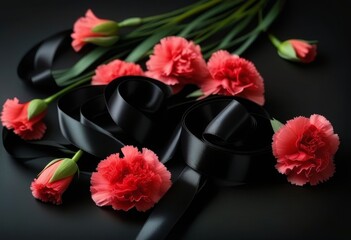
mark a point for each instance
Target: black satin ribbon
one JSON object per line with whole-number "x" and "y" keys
{"x": 131, "y": 110}
{"x": 224, "y": 139}
{"x": 36, "y": 65}
{"x": 29, "y": 150}
{"x": 221, "y": 139}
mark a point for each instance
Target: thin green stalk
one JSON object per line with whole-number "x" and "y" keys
{"x": 67, "y": 89}
{"x": 195, "y": 10}
{"x": 169, "y": 14}
{"x": 77, "y": 156}
{"x": 217, "y": 26}
{"x": 208, "y": 17}
{"x": 148, "y": 29}
{"x": 274, "y": 40}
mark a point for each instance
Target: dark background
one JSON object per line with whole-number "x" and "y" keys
{"x": 257, "y": 211}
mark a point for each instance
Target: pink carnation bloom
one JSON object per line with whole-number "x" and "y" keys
{"x": 305, "y": 52}
{"x": 137, "y": 180}
{"x": 233, "y": 76}
{"x": 177, "y": 62}
{"x": 47, "y": 191}
{"x": 82, "y": 29}
{"x": 107, "y": 72}
{"x": 15, "y": 116}
{"x": 304, "y": 148}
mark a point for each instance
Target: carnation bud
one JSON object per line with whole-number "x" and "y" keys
{"x": 36, "y": 107}
{"x": 91, "y": 29}
{"x": 296, "y": 50}
{"x": 54, "y": 179}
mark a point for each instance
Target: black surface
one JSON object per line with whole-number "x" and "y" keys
{"x": 276, "y": 210}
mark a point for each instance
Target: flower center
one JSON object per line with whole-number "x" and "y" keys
{"x": 182, "y": 63}
{"x": 311, "y": 140}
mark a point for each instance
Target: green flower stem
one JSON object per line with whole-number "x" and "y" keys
{"x": 77, "y": 156}
{"x": 67, "y": 89}
{"x": 235, "y": 16}
{"x": 195, "y": 10}
{"x": 173, "y": 13}
{"x": 129, "y": 22}
{"x": 274, "y": 40}
{"x": 199, "y": 22}
{"x": 170, "y": 19}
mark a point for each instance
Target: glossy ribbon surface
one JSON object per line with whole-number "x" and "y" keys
{"x": 226, "y": 140}
{"x": 36, "y": 66}
{"x": 223, "y": 139}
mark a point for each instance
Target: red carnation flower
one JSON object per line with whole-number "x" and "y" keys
{"x": 296, "y": 50}
{"x": 86, "y": 30}
{"x": 177, "y": 62}
{"x": 105, "y": 73}
{"x": 15, "y": 116}
{"x": 137, "y": 180}
{"x": 305, "y": 148}
{"x": 233, "y": 76}
{"x": 46, "y": 190}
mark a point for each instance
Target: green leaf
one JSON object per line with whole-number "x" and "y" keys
{"x": 83, "y": 64}
{"x": 262, "y": 26}
{"x": 106, "y": 28}
{"x": 67, "y": 168}
{"x": 246, "y": 44}
{"x": 36, "y": 107}
{"x": 276, "y": 125}
{"x": 211, "y": 12}
{"x": 236, "y": 30}
{"x": 148, "y": 43}
{"x": 102, "y": 41}
{"x": 271, "y": 15}
{"x": 174, "y": 12}
{"x": 196, "y": 93}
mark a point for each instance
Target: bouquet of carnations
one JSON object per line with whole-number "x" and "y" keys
{"x": 154, "y": 90}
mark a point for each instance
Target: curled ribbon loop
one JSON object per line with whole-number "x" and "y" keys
{"x": 137, "y": 106}
{"x": 74, "y": 110}
{"x": 224, "y": 139}
{"x": 131, "y": 110}
{"x": 36, "y": 65}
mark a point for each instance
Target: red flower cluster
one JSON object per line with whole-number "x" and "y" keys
{"x": 305, "y": 148}
{"x": 178, "y": 62}
{"x": 137, "y": 180}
